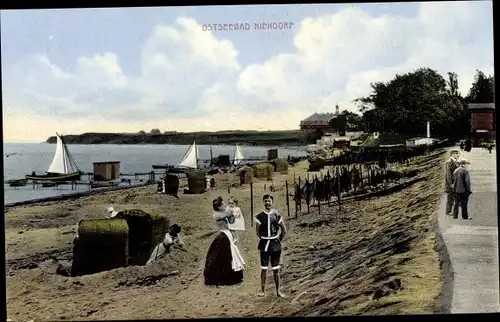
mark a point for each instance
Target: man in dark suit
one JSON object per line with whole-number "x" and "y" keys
{"x": 468, "y": 145}
{"x": 450, "y": 166}
{"x": 462, "y": 188}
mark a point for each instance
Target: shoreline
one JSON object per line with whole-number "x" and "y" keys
{"x": 72, "y": 195}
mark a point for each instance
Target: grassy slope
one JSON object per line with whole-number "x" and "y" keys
{"x": 292, "y": 137}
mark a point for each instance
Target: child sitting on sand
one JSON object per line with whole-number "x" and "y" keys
{"x": 172, "y": 238}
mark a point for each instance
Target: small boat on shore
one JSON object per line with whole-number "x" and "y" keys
{"x": 17, "y": 182}
{"x": 62, "y": 167}
{"x": 161, "y": 166}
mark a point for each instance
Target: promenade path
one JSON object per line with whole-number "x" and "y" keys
{"x": 473, "y": 244}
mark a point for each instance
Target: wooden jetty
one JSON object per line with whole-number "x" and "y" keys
{"x": 151, "y": 177}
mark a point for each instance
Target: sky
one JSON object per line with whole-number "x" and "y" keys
{"x": 129, "y": 69}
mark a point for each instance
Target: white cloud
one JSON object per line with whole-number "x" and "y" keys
{"x": 193, "y": 80}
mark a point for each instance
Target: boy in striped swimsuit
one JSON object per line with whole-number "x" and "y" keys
{"x": 271, "y": 230}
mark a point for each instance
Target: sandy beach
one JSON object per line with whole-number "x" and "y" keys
{"x": 374, "y": 256}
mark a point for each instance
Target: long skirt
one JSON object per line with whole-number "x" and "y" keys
{"x": 218, "y": 268}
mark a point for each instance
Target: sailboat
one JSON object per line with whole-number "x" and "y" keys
{"x": 190, "y": 158}
{"x": 62, "y": 168}
{"x": 188, "y": 161}
{"x": 238, "y": 155}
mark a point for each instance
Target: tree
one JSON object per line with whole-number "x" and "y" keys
{"x": 346, "y": 121}
{"x": 453, "y": 84}
{"x": 142, "y": 132}
{"x": 155, "y": 131}
{"x": 406, "y": 103}
{"x": 339, "y": 123}
{"x": 482, "y": 90}
{"x": 492, "y": 81}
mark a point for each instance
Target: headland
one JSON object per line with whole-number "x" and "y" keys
{"x": 255, "y": 138}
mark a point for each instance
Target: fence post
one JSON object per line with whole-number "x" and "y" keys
{"x": 319, "y": 201}
{"x": 287, "y": 199}
{"x": 251, "y": 203}
{"x": 308, "y": 197}
{"x": 296, "y": 197}
{"x": 300, "y": 196}
{"x": 338, "y": 187}
{"x": 362, "y": 178}
{"x": 328, "y": 186}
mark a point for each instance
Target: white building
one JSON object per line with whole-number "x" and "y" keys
{"x": 419, "y": 141}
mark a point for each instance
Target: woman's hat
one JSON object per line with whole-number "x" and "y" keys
{"x": 112, "y": 212}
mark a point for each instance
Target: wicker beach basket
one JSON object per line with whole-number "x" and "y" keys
{"x": 197, "y": 182}
{"x": 272, "y": 154}
{"x": 281, "y": 166}
{"x": 171, "y": 184}
{"x": 146, "y": 230}
{"x": 246, "y": 175}
{"x": 263, "y": 171}
{"x": 101, "y": 245}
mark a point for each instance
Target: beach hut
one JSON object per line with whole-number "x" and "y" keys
{"x": 106, "y": 171}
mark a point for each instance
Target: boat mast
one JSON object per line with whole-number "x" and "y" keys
{"x": 211, "y": 156}
{"x": 196, "y": 151}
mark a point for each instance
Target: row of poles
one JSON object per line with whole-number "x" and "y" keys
{"x": 297, "y": 185}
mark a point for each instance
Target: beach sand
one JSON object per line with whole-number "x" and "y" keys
{"x": 374, "y": 256}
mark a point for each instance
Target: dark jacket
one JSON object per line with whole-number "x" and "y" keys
{"x": 450, "y": 167}
{"x": 461, "y": 181}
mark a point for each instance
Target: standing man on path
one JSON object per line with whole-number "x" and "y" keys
{"x": 461, "y": 187}
{"x": 468, "y": 145}
{"x": 271, "y": 230}
{"x": 450, "y": 167}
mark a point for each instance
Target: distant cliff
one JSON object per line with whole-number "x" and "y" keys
{"x": 262, "y": 138}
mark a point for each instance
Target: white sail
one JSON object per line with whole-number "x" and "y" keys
{"x": 238, "y": 155}
{"x": 190, "y": 159}
{"x": 62, "y": 163}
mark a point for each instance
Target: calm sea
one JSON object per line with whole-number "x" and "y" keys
{"x": 23, "y": 158}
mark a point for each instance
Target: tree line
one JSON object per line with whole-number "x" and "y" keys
{"x": 407, "y": 102}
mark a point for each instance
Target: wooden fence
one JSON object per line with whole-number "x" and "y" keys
{"x": 346, "y": 178}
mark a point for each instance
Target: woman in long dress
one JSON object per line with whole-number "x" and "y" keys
{"x": 224, "y": 264}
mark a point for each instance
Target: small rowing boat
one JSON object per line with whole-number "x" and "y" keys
{"x": 17, "y": 182}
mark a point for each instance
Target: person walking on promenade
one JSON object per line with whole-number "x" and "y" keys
{"x": 462, "y": 189}
{"x": 271, "y": 230}
{"x": 450, "y": 167}
{"x": 468, "y": 145}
